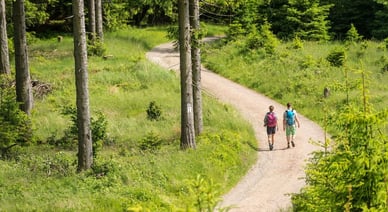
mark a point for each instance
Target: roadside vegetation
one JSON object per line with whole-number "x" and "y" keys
{"x": 138, "y": 165}
{"x": 299, "y": 71}
{"x": 339, "y": 84}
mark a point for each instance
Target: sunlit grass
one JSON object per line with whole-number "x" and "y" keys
{"x": 43, "y": 177}
{"x": 299, "y": 75}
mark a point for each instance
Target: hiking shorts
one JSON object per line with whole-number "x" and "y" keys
{"x": 290, "y": 130}
{"x": 271, "y": 130}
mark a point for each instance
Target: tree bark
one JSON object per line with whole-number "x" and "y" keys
{"x": 92, "y": 20}
{"x": 187, "y": 117}
{"x": 23, "y": 81}
{"x": 99, "y": 22}
{"x": 85, "y": 153}
{"x": 4, "y": 52}
{"x": 196, "y": 65}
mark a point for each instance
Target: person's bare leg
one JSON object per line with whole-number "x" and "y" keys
{"x": 269, "y": 142}
{"x": 288, "y": 141}
{"x": 293, "y": 140}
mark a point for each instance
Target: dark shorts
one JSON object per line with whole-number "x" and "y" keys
{"x": 271, "y": 130}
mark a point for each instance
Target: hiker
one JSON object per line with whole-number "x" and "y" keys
{"x": 271, "y": 122}
{"x": 290, "y": 118}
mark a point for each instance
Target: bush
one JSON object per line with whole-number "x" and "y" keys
{"x": 15, "y": 125}
{"x": 352, "y": 34}
{"x": 150, "y": 142}
{"x": 99, "y": 131}
{"x": 336, "y": 58}
{"x": 153, "y": 111}
{"x": 265, "y": 39}
{"x": 96, "y": 48}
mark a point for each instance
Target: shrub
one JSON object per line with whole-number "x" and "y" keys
{"x": 150, "y": 142}
{"x": 297, "y": 43}
{"x": 352, "y": 34}
{"x": 96, "y": 48}
{"x": 206, "y": 193}
{"x": 153, "y": 111}
{"x": 336, "y": 58}
{"x": 350, "y": 174}
{"x": 15, "y": 125}
{"x": 99, "y": 130}
{"x": 235, "y": 31}
{"x": 264, "y": 39}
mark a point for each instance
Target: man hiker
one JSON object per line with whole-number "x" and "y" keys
{"x": 271, "y": 122}
{"x": 290, "y": 119}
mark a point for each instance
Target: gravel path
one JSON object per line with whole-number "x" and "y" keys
{"x": 277, "y": 173}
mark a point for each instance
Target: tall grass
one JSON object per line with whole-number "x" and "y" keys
{"x": 42, "y": 177}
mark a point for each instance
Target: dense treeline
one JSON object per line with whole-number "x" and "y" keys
{"x": 312, "y": 19}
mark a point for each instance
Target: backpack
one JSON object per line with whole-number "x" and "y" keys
{"x": 290, "y": 117}
{"x": 271, "y": 119}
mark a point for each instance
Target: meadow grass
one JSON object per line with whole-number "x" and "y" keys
{"x": 299, "y": 75}
{"x": 43, "y": 177}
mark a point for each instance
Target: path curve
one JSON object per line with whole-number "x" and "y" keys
{"x": 277, "y": 173}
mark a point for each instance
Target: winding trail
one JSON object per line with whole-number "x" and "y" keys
{"x": 277, "y": 173}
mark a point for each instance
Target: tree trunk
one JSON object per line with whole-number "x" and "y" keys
{"x": 196, "y": 65}
{"x": 187, "y": 117}
{"x": 99, "y": 22}
{"x": 85, "y": 154}
{"x": 23, "y": 81}
{"x": 92, "y": 20}
{"x": 4, "y": 53}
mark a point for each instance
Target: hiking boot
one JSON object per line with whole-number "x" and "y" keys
{"x": 288, "y": 145}
{"x": 293, "y": 144}
{"x": 271, "y": 147}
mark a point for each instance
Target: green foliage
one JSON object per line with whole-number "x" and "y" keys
{"x": 96, "y": 48}
{"x": 235, "y": 31}
{"x": 353, "y": 175}
{"x": 116, "y": 15}
{"x": 98, "y": 125}
{"x": 57, "y": 165}
{"x": 263, "y": 39}
{"x": 15, "y": 125}
{"x": 205, "y": 192}
{"x": 352, "y": 34}
{"x": 336, "y": 58}
{"x": 308, "y": 20}
{"x": 154, "y": 112}
{"x": 173, "y": 34}
{"x": 123, "y": 176}
{"x": 297, "y": 43}
{"x": 386, "y": 43}
{"x": 196, "y": 35}
{"x": 151, "y": 142}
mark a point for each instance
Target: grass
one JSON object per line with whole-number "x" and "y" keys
{"x": 299, "y": 75}
{"x": 43, "y": 177}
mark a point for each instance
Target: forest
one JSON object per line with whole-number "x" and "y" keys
{"x": 116, "y": 146}
{"x": 313, "y": 19}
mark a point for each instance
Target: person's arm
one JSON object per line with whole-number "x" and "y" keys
{"x": 297, "y": 120}
{"x": 284, "y": 121}
{"x": 265, "y": 120}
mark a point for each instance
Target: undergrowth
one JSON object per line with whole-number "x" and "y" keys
{"x": 139, "y": 165}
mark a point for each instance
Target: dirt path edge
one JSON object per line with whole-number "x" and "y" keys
{"x": 276, "y": 174}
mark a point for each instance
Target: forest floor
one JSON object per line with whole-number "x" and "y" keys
{"x": 276, "y": 174}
